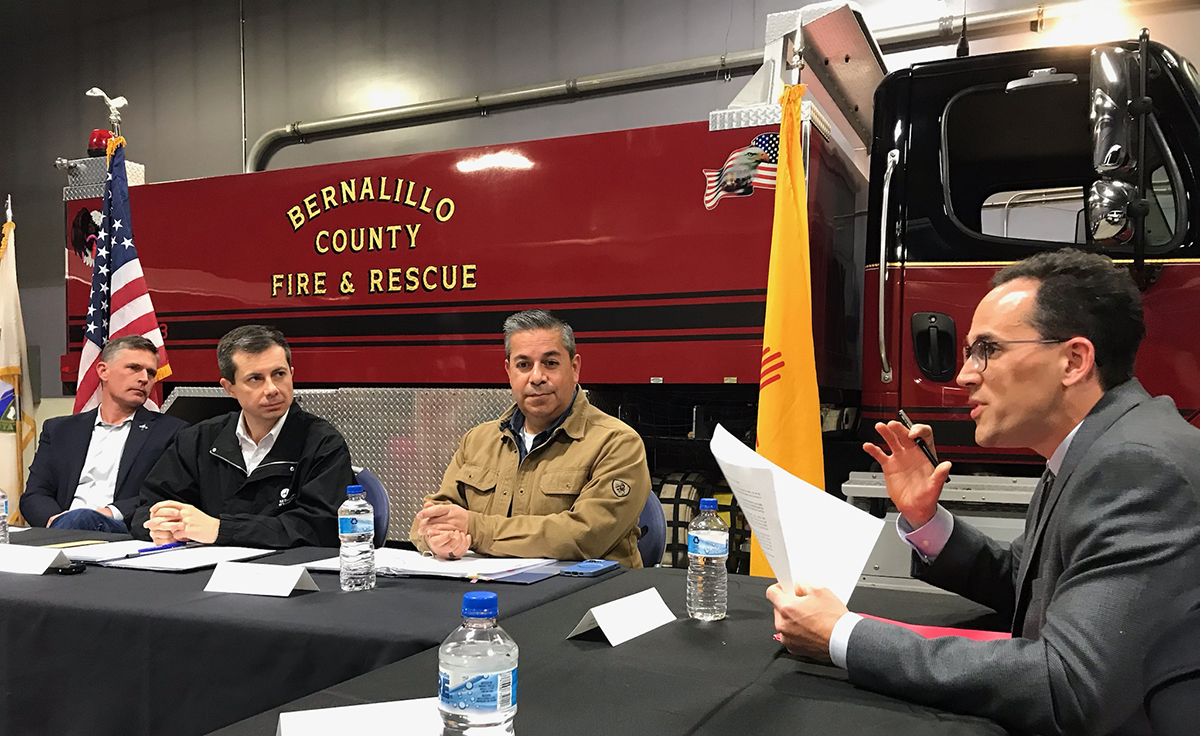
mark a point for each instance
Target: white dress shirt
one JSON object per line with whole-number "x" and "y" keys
{"x": 254, "y": 453}
{"x": 98, "y": 480}
{"x": 928, "y": 541}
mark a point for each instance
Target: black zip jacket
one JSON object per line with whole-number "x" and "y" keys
{"x": 290, "y": 500}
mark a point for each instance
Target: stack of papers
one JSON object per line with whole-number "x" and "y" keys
{"x": 805, "y": 533}
{"x": 186, "y": 558}
{"x": 105, "y": 552}
{"x": 396, "y": 562}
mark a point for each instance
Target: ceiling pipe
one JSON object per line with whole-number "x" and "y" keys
{"x": 741, "y": 63}
{"x": 736, "y": 64}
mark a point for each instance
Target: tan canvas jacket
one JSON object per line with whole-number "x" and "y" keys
{"x": 575, "y": 497}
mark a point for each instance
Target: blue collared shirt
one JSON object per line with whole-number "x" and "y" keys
{"x": 516, "y": 426}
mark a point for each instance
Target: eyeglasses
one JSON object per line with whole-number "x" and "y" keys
{"x": 979, "y": 351}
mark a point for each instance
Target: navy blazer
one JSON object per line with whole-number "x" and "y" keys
{"x": 62, "y": 450}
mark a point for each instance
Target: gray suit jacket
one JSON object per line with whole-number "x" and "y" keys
{"x": 1119, "y": 537}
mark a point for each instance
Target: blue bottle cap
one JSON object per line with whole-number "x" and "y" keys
{"x": 480, "y": 604}
{"x": 351, "y": 490}
{"x": 708, "y": 504}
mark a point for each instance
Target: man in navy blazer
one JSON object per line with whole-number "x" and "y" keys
{"x": 89, "y": 467}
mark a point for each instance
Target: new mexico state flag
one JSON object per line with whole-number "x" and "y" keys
{"x": 789, "y": 411}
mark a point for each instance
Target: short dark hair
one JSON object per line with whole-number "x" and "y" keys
{"x": 250, "y": 339}
{"x": 537, "y": 319}
{"x": 1084, "y": 294}
{"x": 130, "y": 342}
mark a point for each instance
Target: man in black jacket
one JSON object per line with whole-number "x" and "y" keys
{"x": 271, "y": 475}
{"x": 90, "y": 466}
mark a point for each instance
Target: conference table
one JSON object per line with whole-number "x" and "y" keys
{"x": 112, "y": 651}
{"x": 687, "y": 677}
{"x": 133, "y": 652}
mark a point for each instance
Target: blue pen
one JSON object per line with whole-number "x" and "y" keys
{"x": 152, "y": 550}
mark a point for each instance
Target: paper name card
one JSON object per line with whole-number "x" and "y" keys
{"x": 411, "y": 717}
{"x": 253, "y": 579}
{"x": 627, "y": 618}
{"x": 27, "y": 560}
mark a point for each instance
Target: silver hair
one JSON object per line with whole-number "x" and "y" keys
{"x": 249, "y": 339}
{"x": 130, "y": 342}
{"x": 537, "y": 319}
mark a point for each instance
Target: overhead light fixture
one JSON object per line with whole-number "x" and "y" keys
{"x": 498, "y": 160}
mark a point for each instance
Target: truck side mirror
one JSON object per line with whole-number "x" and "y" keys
{"x": 1112, "y": 153}
{"x": 1109, "y": 219}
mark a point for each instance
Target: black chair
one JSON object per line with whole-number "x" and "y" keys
{"x": 653, "y": 524}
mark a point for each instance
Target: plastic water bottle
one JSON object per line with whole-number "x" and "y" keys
{"x": 356, "y": 527}
{"x": 477, "y": 672}
{"x": 3, "y": 518}
{"x": 707, "y": 578}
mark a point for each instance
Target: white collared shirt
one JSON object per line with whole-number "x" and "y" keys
{"x": 98, "y": 480}
{"x": 254, "y": 453}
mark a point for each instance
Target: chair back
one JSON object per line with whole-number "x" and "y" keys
{"x": 378, "y": 498}
{"x": 653, "y": 525}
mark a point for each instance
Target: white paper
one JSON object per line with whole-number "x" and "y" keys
{"x": 391, "y": 561}
{"x": 254, "y": 579}
{"x": 107, "y": 551}
{"x": 188, "y": 558}
{"x": 26, "y": 560}
{"x": 18, "y": 528}
{"x": 750, "y": 477}
{"x": 626, "y": 618}
{"x": 410, "y": 717}
{"x": 805, "y": 533}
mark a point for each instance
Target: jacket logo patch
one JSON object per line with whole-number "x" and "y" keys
{"x": 621, "y": 488}
{"x": 285, "y": 496}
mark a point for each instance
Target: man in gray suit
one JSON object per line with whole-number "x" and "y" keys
{"x": 1112, "y": 533}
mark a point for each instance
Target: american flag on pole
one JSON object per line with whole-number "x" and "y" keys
{"x": 746, "y": 169}
{"x": 119, "y": 304}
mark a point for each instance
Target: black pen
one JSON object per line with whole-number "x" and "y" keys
{"x": 920, "y": 442}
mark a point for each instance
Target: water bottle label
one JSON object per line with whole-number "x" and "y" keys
{"x": 707, "y": 547}
{"x": 497, "y": 691}
{"x": 356, "y": 525}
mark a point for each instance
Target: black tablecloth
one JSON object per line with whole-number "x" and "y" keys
{"x": 687, "y": 677}
{"x": 133, "y": 652}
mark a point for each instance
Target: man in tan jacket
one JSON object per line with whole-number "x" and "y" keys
{"x": 553, "y": 477}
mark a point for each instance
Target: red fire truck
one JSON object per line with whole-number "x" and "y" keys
{"x": 398, "y": 272}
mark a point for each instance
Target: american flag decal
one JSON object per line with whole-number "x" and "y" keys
{"x": 119, "y": 304}
{"x": 746, "y": 169}
{"x": 772, "y": 368}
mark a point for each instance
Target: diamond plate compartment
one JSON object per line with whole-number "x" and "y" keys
{"x": 406, "y": 436}
{"x": 86, "y": 177}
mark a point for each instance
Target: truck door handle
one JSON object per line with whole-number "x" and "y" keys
{"x": 885, "y": 373}
{"x": 933, "y": 335}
